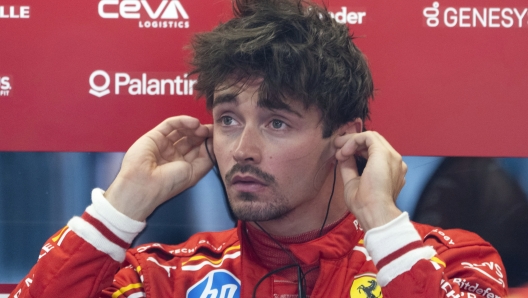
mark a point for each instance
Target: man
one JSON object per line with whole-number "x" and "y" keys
{"x": 289, "y": 92}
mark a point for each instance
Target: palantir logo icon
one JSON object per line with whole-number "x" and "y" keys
{"x": 99, "y": 90}
{"x": 216, "y": 284}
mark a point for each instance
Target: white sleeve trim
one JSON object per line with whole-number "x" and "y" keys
{"x": 91, "y": 235}
{"x": 121, "y": 225}
{"x": 384, "y": 240}
{"x": 403, "y": 264}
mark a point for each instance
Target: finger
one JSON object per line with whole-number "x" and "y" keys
{"x": 199, "y": 159}
{"x": 383, "y": 141}
{"x": 184, "y": 125}
{"x": 201, "y": 131}
{"x": 179, "y": 143}
{"x": 184, "y": 145}
{"x": 171, "y": 151}
{"x": 348, "y": 169}
{"x": 174, "y": 136}
{"x": 396, "y": 157}
{"x": 364, "y": 144}
{"x": 349, "y": 145}
{"x": 210, "y": 130}
{"x": 176, "y": 123}
{"x": 350, "y": 175}
{"x": 196, "y": 147}
{"x": 201, "y": 166}
{"x": 192, "y": 154}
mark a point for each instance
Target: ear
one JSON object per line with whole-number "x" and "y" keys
{"x": 354, "y": 126}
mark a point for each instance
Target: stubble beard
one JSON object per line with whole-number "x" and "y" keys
{"x": 249, "y": 207}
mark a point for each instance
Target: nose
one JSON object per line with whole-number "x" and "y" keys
{"x": 248, "y": 148}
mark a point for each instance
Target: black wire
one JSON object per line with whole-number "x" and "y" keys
{"x": 304, "y": 277}
{"x": 306, "y": 273}
{"x": 270, "y": 274}
{"x": 216, "y": 169}
{"x": 215, "y": 164}
{"x": 301, "y": 281}
{"x": 278, "y": 244}
{"x": 329, "y": 200}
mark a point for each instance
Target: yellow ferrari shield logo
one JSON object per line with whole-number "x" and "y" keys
{"x": 365, "y": 286}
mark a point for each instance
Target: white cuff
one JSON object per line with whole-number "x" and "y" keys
{"x": 121, "y": 225}
{"x": 384, "y": 240}
{"x": 103, "y": 224}
{"x": 93, "y": 236}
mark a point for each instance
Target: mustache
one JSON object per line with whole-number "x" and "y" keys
{"x": 268, "y": 178}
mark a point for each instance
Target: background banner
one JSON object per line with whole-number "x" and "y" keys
{"x": 451, "y": 77}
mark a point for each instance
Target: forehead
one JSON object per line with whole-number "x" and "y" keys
{"x": 235, "y": 92}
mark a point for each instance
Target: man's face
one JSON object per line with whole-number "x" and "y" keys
{"x": 273, "y": 161}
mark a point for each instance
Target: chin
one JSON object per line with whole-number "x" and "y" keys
{"x": 250, "y": 208}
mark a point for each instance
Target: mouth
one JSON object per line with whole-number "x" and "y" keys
{"x": 244, "y": 183}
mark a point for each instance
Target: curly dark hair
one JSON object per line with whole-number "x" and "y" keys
{"x": 298, "y": 50}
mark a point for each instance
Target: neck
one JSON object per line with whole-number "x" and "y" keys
{"x": 311, "y": 215}
{"x": 274, "y": 252}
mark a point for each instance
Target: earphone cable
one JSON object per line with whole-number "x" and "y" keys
{"x": 270, "y": 274}
{"x": 329, "y": 200}
{"x": 216, "y": 169}
{"x": 301, "y": 282}
{"x": 278, "y": 244}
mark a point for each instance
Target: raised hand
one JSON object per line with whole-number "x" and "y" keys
{"x": 371, "y": 197}
{"x": 161, "y": 164}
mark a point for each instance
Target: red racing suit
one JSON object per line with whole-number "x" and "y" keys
{"x": 88, "y": 258}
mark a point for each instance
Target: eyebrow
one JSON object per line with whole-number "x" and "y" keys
{"x": 233, "y": 98}
{"x": 225, "y": 98}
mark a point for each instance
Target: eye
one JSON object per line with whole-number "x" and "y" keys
{"x": 227, "y": 120}
{"x": 277, "y": 124}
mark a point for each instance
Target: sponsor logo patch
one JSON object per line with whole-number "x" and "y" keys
{"x": 5, "y": 86}
{"x": 475, "y": 288}
{"x": 217, "y": 283}
{"x": 14, "y": 12}
{"x": 343, "y": 16}
{"x": 167, "y": 14}
{"x": 140, "y": 84}
{"x": 197, "y": 262}
{"x": 475, "y": 17}
{"x": 167, "y": 268}
{"x": 365, "y": 286}
{"x": 489, "y": 269}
